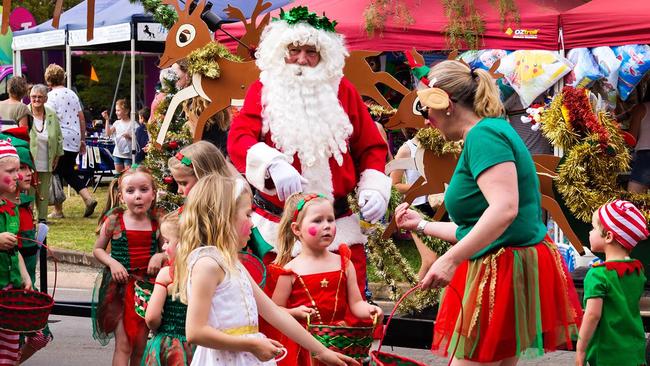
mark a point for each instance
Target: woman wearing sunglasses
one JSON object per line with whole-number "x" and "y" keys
{"x": 509, "y": 306}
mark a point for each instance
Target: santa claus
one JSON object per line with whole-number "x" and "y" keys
{"x": 304, "y": 128}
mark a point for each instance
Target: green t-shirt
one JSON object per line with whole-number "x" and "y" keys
{"x": 490, "y": 142}
{"x": 619, "y": 339}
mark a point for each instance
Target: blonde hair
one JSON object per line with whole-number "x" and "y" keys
{"x": 172, "y": 220}
{"x": 286, "y": 237}
{"x": 474, "y": 89}
{"x": 208, "y": 218}
{"x": 206, "y": 159}
{"x": 122, "y": 103}
{"x": 54, "y": 75}
{"x": 114, "y": 194}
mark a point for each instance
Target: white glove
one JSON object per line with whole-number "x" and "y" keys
{"x": 372, "y": 205}
{"x": 286, "y": 178}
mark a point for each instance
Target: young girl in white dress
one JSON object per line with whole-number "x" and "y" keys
{"x": 223, "y": 300}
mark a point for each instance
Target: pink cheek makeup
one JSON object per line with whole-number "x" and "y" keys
{"x": 20, "y": 176}
{"x": 312, "y": 230}
{"x": 7, "y": 180}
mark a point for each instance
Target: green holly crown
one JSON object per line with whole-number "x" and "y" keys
{"x": 302, "y": 14}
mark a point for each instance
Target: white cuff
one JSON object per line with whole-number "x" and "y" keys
{"x": 258, "y": 159}
{"x": 376, "y": 181}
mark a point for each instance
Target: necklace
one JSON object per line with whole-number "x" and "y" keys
{"x": 42, "y": 119}
{"x": 313, "y": 302}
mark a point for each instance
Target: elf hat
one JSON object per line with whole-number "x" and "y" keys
{"x": 7, "y": 150}
{"x": 625, "y": 221}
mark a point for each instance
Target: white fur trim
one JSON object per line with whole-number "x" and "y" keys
{"x": 258, "y": 159}
{"x": 377, "y": 181}
{"x": 348, "y": 231}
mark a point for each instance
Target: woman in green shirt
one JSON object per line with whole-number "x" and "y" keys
{"x": 509, "y": 307}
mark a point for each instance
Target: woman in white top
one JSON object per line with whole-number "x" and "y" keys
{"x": 122, "y": 133}
{"x": 73, "y": 129}
{"x": 640, "y": 129}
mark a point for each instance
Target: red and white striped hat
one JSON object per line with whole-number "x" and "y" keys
{"x": 7, "y": 149}
{"x": 625, "y": 221}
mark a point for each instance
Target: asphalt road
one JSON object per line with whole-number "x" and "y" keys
{"x": 73, "y": 344}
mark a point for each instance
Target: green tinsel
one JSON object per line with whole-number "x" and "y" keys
{"x": 300, "y": 14}
{"x": 163, "y": 14}
{"x": 432, "y": 139}
{"x": 204, "y": 60}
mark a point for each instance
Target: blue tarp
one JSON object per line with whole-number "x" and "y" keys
{"x": 109, "y": 12}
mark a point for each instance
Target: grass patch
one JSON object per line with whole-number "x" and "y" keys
{"x": 75, "y": 232}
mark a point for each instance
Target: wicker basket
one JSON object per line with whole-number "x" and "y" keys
{"x": 350, "y": 341}
{"x": 379, "y": 358}
{"x": 24, "y": 311}
{"x": 143, "y": 290}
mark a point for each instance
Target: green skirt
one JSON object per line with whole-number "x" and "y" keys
{"x": 167, "y": 350}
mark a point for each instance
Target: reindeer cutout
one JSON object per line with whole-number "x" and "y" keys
{"x": 253, "y": 30}
{"x": 546, "y": 171}
{"x": 58, "y": 8}
{"x": 188, "y": 34}
{"x": 358, "y": 71}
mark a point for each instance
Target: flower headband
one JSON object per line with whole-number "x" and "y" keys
{"x": 184, "y": 159}
{"x": 301, "y": 204}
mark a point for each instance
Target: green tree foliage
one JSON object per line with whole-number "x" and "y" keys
{"x": 42, "y": 10}
{"x": 98, "y": 95}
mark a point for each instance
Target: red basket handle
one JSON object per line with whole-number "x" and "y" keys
{"x": 392, "y": 313}
{"x": 51, "y": 253}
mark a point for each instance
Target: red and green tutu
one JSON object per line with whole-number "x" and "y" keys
{"x": 517, "y": 302}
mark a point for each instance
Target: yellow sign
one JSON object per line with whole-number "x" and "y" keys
{"x": 522, "y": 33}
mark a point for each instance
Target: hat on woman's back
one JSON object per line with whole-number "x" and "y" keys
{"x": 625, "y": 221}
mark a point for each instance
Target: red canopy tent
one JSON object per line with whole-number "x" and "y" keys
{"x": 538, "y": 28}
{"x": 607, "y": 23}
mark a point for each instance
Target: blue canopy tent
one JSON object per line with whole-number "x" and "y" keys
{"x": 120, "y": 25}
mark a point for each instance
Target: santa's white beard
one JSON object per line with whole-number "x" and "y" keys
{"x": 301, "y": 110}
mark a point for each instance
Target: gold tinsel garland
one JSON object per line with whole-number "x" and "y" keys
{"x": 377, "y": 110}
{"x": 204, "y": 60}
{"x": 432, "y": 139}
{"x": 588, "y": 174}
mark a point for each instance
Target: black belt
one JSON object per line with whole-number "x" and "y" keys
{"x": 341, "y": 206}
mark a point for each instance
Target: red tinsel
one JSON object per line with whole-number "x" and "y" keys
{"x": 582, "y": 118}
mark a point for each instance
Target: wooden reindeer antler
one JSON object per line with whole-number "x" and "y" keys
{"x": 358, "y": 71}
{"x": 251, "y": 39}
{"x": 90, "y": 20}
{"x": 58, "y": 8}
{"x": 6, "y": 9}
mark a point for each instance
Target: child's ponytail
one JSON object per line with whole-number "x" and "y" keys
{"x": 112, "y": 201}
{"x": 286, "y": 238}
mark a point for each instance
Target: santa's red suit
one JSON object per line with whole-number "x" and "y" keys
{"x": 362, "y": 167}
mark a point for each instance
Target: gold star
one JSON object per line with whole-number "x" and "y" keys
{"x": 324, "y": 282}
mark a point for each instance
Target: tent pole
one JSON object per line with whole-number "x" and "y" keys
{"x": 117, "y": 86}
{"x": 18, "y": 70}
{"x": 133, "y": 140}
{"x": 68, "y": 65}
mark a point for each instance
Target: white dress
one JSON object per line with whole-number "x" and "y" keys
{"x": 233, "y": 308}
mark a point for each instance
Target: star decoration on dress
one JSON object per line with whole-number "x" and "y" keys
{"x": 324, "y": 282}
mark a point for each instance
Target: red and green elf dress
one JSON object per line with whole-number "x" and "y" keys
{"x": 114, "y": 302}
{"x": 9, "y": 278}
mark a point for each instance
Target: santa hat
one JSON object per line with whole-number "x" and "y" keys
{"x": 301, "y": 27}
{"x": 7, "y": 150}
{"x": 625, "y": 221}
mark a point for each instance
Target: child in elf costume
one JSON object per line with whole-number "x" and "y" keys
{"x": 27, "y": 245}
{"x": 612, "y": 331}
{"x": 13, "y": 273}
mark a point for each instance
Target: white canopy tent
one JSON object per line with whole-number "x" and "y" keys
{"x": 119, "y": 25}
